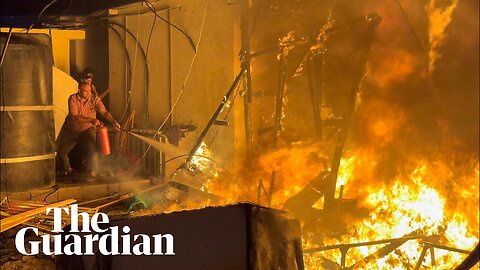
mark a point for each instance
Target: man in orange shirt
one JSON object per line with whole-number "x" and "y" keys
{"x": 81, "y": 124}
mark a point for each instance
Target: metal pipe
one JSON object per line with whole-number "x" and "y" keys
{"x": 215, "y": 115}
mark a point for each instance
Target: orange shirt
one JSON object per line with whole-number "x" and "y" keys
{"x": 83, "y": 107}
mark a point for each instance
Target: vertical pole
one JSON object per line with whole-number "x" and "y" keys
{"x": 259, "y": 190}
{"x": 343, "y": 260}
{"x": 432, "y": 255}
{"x": 350, "y": 108}
{"x": 421, "y": 257}
{"x": 245, "y": 52}
{"x": 270, "y": 193}
{"x": 315, "y": 93}
{"x": 280, "y": 97}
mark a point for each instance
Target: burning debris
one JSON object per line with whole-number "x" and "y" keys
{"x": 365, "y": 146}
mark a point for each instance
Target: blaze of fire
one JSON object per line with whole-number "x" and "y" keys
{"x": 294, "y": 167}
{"x": 438, "y": 20}
{"x": 438, "y": 199}
{"x": 408, "y": 205}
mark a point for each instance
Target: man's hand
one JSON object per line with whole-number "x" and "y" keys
{"x": 116, "y": 125}
{"x": 96, "y": 122}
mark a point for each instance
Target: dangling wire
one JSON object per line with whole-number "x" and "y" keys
{"x": 184, "y": 82}
{"x": 151, "y": 7}
{"x": 55, "y": 189}
{"x": 151, "y": 30}
{"x": 40, "y": 14}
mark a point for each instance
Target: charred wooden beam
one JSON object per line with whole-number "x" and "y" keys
{"x": 309, "y": 194}
{"x": 280, "y": 96}
{"x": 422, "y": 256}
{"x": 365, "y": 46}
{"x": 270, "y": 193}
{"x": 245, "y": 65}
{"x": 384, "y": 251}
{"x": 316, "y": 92}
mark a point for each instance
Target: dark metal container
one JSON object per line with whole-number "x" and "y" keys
{"x": 27, "y": 129}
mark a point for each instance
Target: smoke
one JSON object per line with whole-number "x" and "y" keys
{"x": 418, "y": 102}
{"x": 419, "y": 96}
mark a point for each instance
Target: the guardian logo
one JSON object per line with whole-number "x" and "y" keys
{"x": 108, "y": 243}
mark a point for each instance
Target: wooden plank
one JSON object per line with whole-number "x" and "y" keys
{"x": 10, "y": 222}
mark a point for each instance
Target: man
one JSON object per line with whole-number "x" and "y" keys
{"x": 81, "y": 124}
{"x": 88, "y": 78}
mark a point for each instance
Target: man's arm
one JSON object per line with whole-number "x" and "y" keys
{"x": 107, "y": 115}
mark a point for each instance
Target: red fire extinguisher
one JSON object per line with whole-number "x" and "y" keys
{"x": 103, "y": 140}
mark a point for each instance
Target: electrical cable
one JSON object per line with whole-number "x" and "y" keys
{"x": 255, "y": 17}
{"x": 150, "y": 5}
{"x": 151, "y": 30}
{"x": 55, "y": 189}
{"x": 129, "y": 63}
{"x": 147, "y": 75}
{"x": 63, "y": 12}
{"x": 410, "y": 26}
{"x": 184, "y": 82}
{"x": 40, "y": 14}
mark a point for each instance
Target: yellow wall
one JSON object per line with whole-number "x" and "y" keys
{"x": 60, "y": 44}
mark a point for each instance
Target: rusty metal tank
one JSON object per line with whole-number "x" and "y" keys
{"x": 27, "y": 129}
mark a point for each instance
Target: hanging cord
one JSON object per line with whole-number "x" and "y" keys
{"x": 64, "y": 12}
{"x": 55, "y": 189}
{"x": 151, "y": 29}
{"x": 4, "y": 51}
{"x": 151, "y": 7}
{"x": 40, "y": 14}
{"x": 144, "y": 54}
{"x": 184, "y": 83}
{"x": 137, "y": 45}
{"x": 129, "y": 63}
{"x": 410, "y": 26}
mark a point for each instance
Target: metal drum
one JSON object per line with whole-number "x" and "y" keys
{"x": 27, "y": 130}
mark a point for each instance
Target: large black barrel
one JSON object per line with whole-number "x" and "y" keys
{"x": 27, "y": 140}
